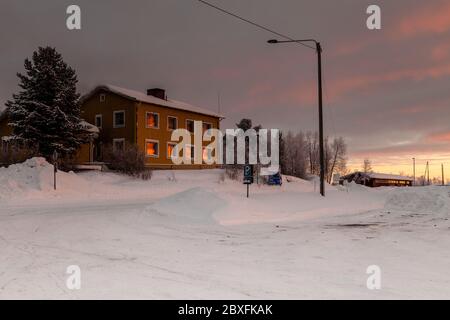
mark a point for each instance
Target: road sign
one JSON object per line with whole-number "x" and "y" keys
{"x": 248, "y": 174}
{"x": 248, "y": 177}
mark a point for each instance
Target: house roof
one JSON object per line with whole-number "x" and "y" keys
{"x": 142, "y": 97}
{"x": 385, "y": 176}
{"x": 382, "y": 176}
{"x": 88, "y": 127}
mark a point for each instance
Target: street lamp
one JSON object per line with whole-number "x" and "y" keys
{"x": 318, "y": 49}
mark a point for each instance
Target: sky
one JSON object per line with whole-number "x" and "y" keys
{"x": 387, "y": 92}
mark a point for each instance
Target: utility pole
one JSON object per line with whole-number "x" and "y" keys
{"x": 322, "y": 153}
{"x": 414, "y": 171}
{"x": 442, "y": 167}
{"x": 428, "y": 173}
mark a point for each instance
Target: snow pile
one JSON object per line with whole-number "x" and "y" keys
{"x": 23, "y": 177}
{"x": 420, "y": 200}
{"x": 193, "y": 205}
{"x": 34, "y": 178}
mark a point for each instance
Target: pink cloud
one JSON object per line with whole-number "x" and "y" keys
{"x": 440, "y": 137}
{"x": 340, "y": 87}
{"x": 441, "y": 52}
{"x": 424, "y": 21}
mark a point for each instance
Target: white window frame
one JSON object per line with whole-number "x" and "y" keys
{"x": 114, "y": 119}
{"x": 187, "y": 125}
{"x": 118, "y": 140}
{"x": 173, "y": 117}
{"x": 154, "y": 141}
{"x": 159, "y": 120}
{"x": 99, "y": 116}
{"x": 174, "y": 144}
{"x": 102, "y": 97}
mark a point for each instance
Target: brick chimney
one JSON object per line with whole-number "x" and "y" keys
{"x": 157, "y": 92}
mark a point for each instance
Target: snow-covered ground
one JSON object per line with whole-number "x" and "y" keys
{"x": 194, "y": 235}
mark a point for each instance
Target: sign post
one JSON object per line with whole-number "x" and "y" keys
{"x": 248, "y": 177}
{"x": 55, "y": 166}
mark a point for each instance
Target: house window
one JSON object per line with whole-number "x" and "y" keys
{"x": 152, "y": 148}
{"x": 102, "y": 97}
{"x": 207, "y": 154}
{"x": 206, "y": 126}
{"x": 118, "y": 144}
{"x": 172, "y": 123}
{"x": 99, "y": 121}
{"x": 190, "y": 125}
{"x": 98, "y": 151}
{"x": 119, "y": 119}
{"x": 171, "y": 149}
{"x": 152, "y": 120}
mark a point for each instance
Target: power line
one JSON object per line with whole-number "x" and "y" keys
{"x": 253, "y": 23}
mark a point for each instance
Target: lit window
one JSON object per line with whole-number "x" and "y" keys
{"x": 172, "y": 123}
{"x": 171, "y": 150}
{"x": 152, "y": 148}
{"x": 152, "y": 120}
{"x": 207, "y": 154}
{"x": 119, "y": 119}
{"x": 190, "y": 125}
{"x": 118, "y": 144}
{"x": 98, "y": 121}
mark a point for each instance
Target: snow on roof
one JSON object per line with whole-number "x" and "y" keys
{"x": 142, "y": 97}
{"x": 89, "y": 127}
{"x": 7, "y": 138}
{"x": 388, "y": 176}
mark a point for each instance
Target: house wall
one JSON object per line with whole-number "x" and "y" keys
{"x": 5, "y": 130}
{"x": 83, "y": 154}
{"x": 163, "y": 134}
{"x": 92, "y": 107}
{"x": 135, "y": 130}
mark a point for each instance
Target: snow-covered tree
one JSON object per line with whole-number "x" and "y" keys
{"x": 294, "y": 157}
{"x": 367, "y": 166}
{"x": 46, "y": 112}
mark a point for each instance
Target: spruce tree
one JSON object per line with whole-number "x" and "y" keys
{"x": 46, "y": 112}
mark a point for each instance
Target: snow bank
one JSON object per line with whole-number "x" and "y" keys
{"x": 420, "y": 200}
{"x": 193, "y": 205}
{"x": 34, "y": 179}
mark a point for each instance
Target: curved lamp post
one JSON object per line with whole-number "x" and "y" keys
{"x": 318, "y": 49}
